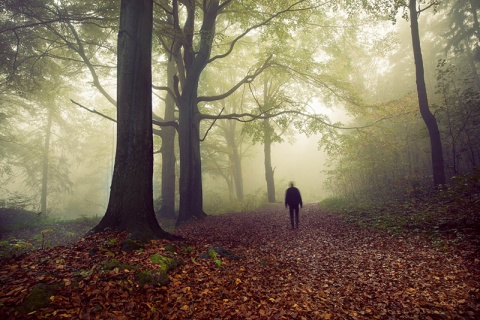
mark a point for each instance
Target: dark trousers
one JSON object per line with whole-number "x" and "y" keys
{"x": 294, "y": 216}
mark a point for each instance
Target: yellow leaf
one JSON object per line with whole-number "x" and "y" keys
{"x": 184, "y": 308}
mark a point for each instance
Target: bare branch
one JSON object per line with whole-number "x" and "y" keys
{"x": 215, "y": 120}
{"x": 267, "y": 115}
{"x": 169, "y": 91}
{"x": 248, "y": 30}
{"x": 48, "y": 22}
{"x": 155, "y": 122}
{"x": 431, "y": 4}
{"x": 246, "y": 79}
{"x": 93, "y": 111}
{"x": 224, "y": 4}
{"x": 166, "y": 124}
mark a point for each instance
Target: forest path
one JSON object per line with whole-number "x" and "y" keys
{"x": 332, "y": 269}
{"x": 326, "y": 269}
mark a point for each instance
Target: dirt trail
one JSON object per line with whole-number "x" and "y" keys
{"x": 326, "y": 269}
{"x": 329, "y": 268}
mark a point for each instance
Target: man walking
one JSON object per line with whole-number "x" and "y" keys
{"x": 293, "y": 199}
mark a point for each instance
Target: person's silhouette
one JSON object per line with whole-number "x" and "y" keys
{"x": 293, "y": 199}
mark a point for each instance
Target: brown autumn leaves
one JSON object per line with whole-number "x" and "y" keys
{"x": 251, "y": 266}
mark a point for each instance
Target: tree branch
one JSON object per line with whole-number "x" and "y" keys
{"x": 247, "y": 31}
{"x": 267, "y": 115}
{"x": 166, "y": 124}
{"x": 214, "y": 120}
{"x": 155, "y": 122}
{"x": 246, "y": 79}
{"x": 93, "y": 111}
{"x": 169, "y": 91}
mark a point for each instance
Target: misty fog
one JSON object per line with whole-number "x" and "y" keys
{"x": 361, "y": 70}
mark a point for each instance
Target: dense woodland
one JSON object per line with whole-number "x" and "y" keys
{"x": 155, "y": 116}
{"x": 226, "y": 77}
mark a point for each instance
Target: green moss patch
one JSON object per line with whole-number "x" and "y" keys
{"x": 156, "y": 277}
{"x": 113, "y": 264}
{"x": 39, "y": 297}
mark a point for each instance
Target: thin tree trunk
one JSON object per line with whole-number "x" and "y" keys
{"x": 428, "y": 117}
{"x": 269, "y": 172}
{"x": 46, "y": 153}
{"x": 237, "y": 174}
{"x": 167, "y": 209}
{"x": 267, "y": 146}
{"x": 234, "y": 158}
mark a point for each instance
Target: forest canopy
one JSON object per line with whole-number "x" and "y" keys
{"x": 246, "y": 96}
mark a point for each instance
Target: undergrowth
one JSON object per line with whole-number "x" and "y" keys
{"x": 452, "y": 211}
{"x": 216, "y": 204}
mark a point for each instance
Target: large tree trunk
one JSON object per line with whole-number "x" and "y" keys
{"x": 428, "y": 117}
{"x": 130, "y": 206}
{"x": 167, "y": 209}
{"x": 191, "y": 193}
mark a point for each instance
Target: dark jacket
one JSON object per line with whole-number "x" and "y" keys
{"x": 293, "y": 197}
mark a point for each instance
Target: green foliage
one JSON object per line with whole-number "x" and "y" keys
{"x": 165, "y": 262}
{"x": 39, "y": 297}
{"x": 216, "y": 204}
{"x": 13, "y": 248}
{"x": 42, "y": 237}
{"x": 212, "y": 253}
{"x": 454, "y": 209}
{"x": 170, "y": 248}
{"x": 115, "y": 264}
{"x": 157, "y": 277}
{"x": 185, "y": 247}
{"x": 111, "y": 242}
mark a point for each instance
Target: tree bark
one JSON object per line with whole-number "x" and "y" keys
{"x": 46, "y": 153}
{"x": 191, "y": 192}
{"x": 428, "y": 117}
{"x": 130, "y": 206}
{"x": 269, "y": 172}
{"x": 234, "y": 158}
{"x": 267, "y": 145}
{"x": 167, "y": 210}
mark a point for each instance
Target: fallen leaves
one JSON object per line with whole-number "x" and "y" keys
{"x": 327, "y": 269}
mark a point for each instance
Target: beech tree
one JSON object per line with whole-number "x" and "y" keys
{"x": 428, "y": 117}
{"x": 411, "y": 12}
{"x": 192, "y": 56}
{"x": 130, "y": 206}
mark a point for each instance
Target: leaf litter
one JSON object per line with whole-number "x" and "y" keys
{"x": 250, "y": 265}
